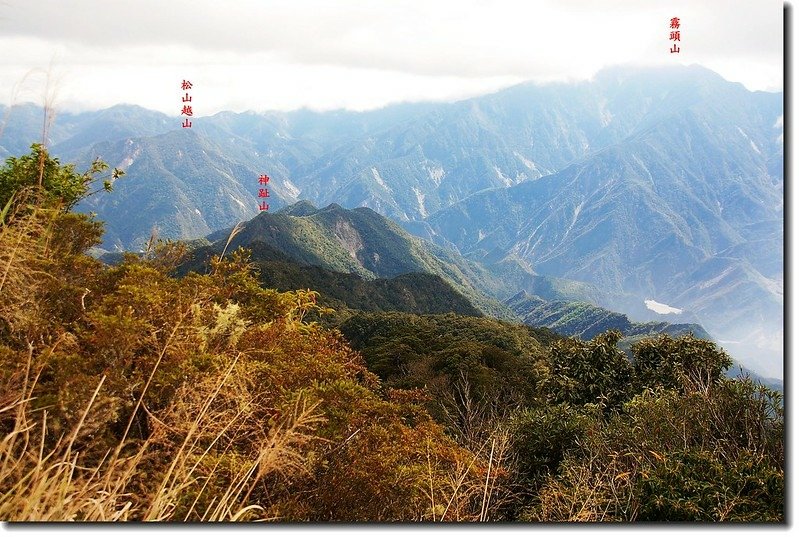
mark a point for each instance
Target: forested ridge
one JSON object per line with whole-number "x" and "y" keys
{"x": 132, "y": 392}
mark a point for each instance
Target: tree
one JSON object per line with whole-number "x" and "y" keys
{"x": 55, "y": 185}
{"x": 684, "y": 363}
{"x": 593, "y": 371}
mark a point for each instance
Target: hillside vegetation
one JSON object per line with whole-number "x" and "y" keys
{"x": 128, "y": 393}
{"x": 410, "y": 292}
{"x": 361, "y": 242}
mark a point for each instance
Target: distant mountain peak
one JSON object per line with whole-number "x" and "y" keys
{"x": 658, "y": 73}
{"x": 301, "y": 208}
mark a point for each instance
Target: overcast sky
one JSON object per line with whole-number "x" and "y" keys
{"x": 323, "y": 54}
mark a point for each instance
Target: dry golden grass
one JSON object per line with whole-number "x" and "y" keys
{"x": 126, "y": 394}
{"x": 57, "y": 484}
{"x": 24, "y": 248}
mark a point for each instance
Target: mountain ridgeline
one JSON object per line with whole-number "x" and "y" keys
{"x": 334, "y": 245}
{"x": 661, "y": 184}
{"x": 586, "y": 321}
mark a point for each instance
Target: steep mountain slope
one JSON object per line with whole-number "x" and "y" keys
{"x": 68, "y": 134}
{"x": 361, "y": 242}
{"x": 414, "y": 168}
{"x": 185, "y": 184}
{"x": 407, "y": 161}
{"x": 116, "y": 123}
{"x": 228, "y": 149}
{"x": 687, "y": 210}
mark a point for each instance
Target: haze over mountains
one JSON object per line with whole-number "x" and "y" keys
{"x": 662, "y": 184}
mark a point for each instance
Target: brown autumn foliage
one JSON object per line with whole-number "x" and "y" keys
{"x": 128, "y": 394}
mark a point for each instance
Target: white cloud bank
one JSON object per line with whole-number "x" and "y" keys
{"x": 327, "y": 54}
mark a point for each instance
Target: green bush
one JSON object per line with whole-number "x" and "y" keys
{"x": 685, "y": 363}
{"x": 594, "y": 371}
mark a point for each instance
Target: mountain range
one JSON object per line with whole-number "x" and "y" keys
{"x": 360, "y": 261}
{"x": 643, "y": 184}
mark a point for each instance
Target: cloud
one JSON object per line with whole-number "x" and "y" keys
{"x": 465, "y": 38}
{"x": 429, "y": 49}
